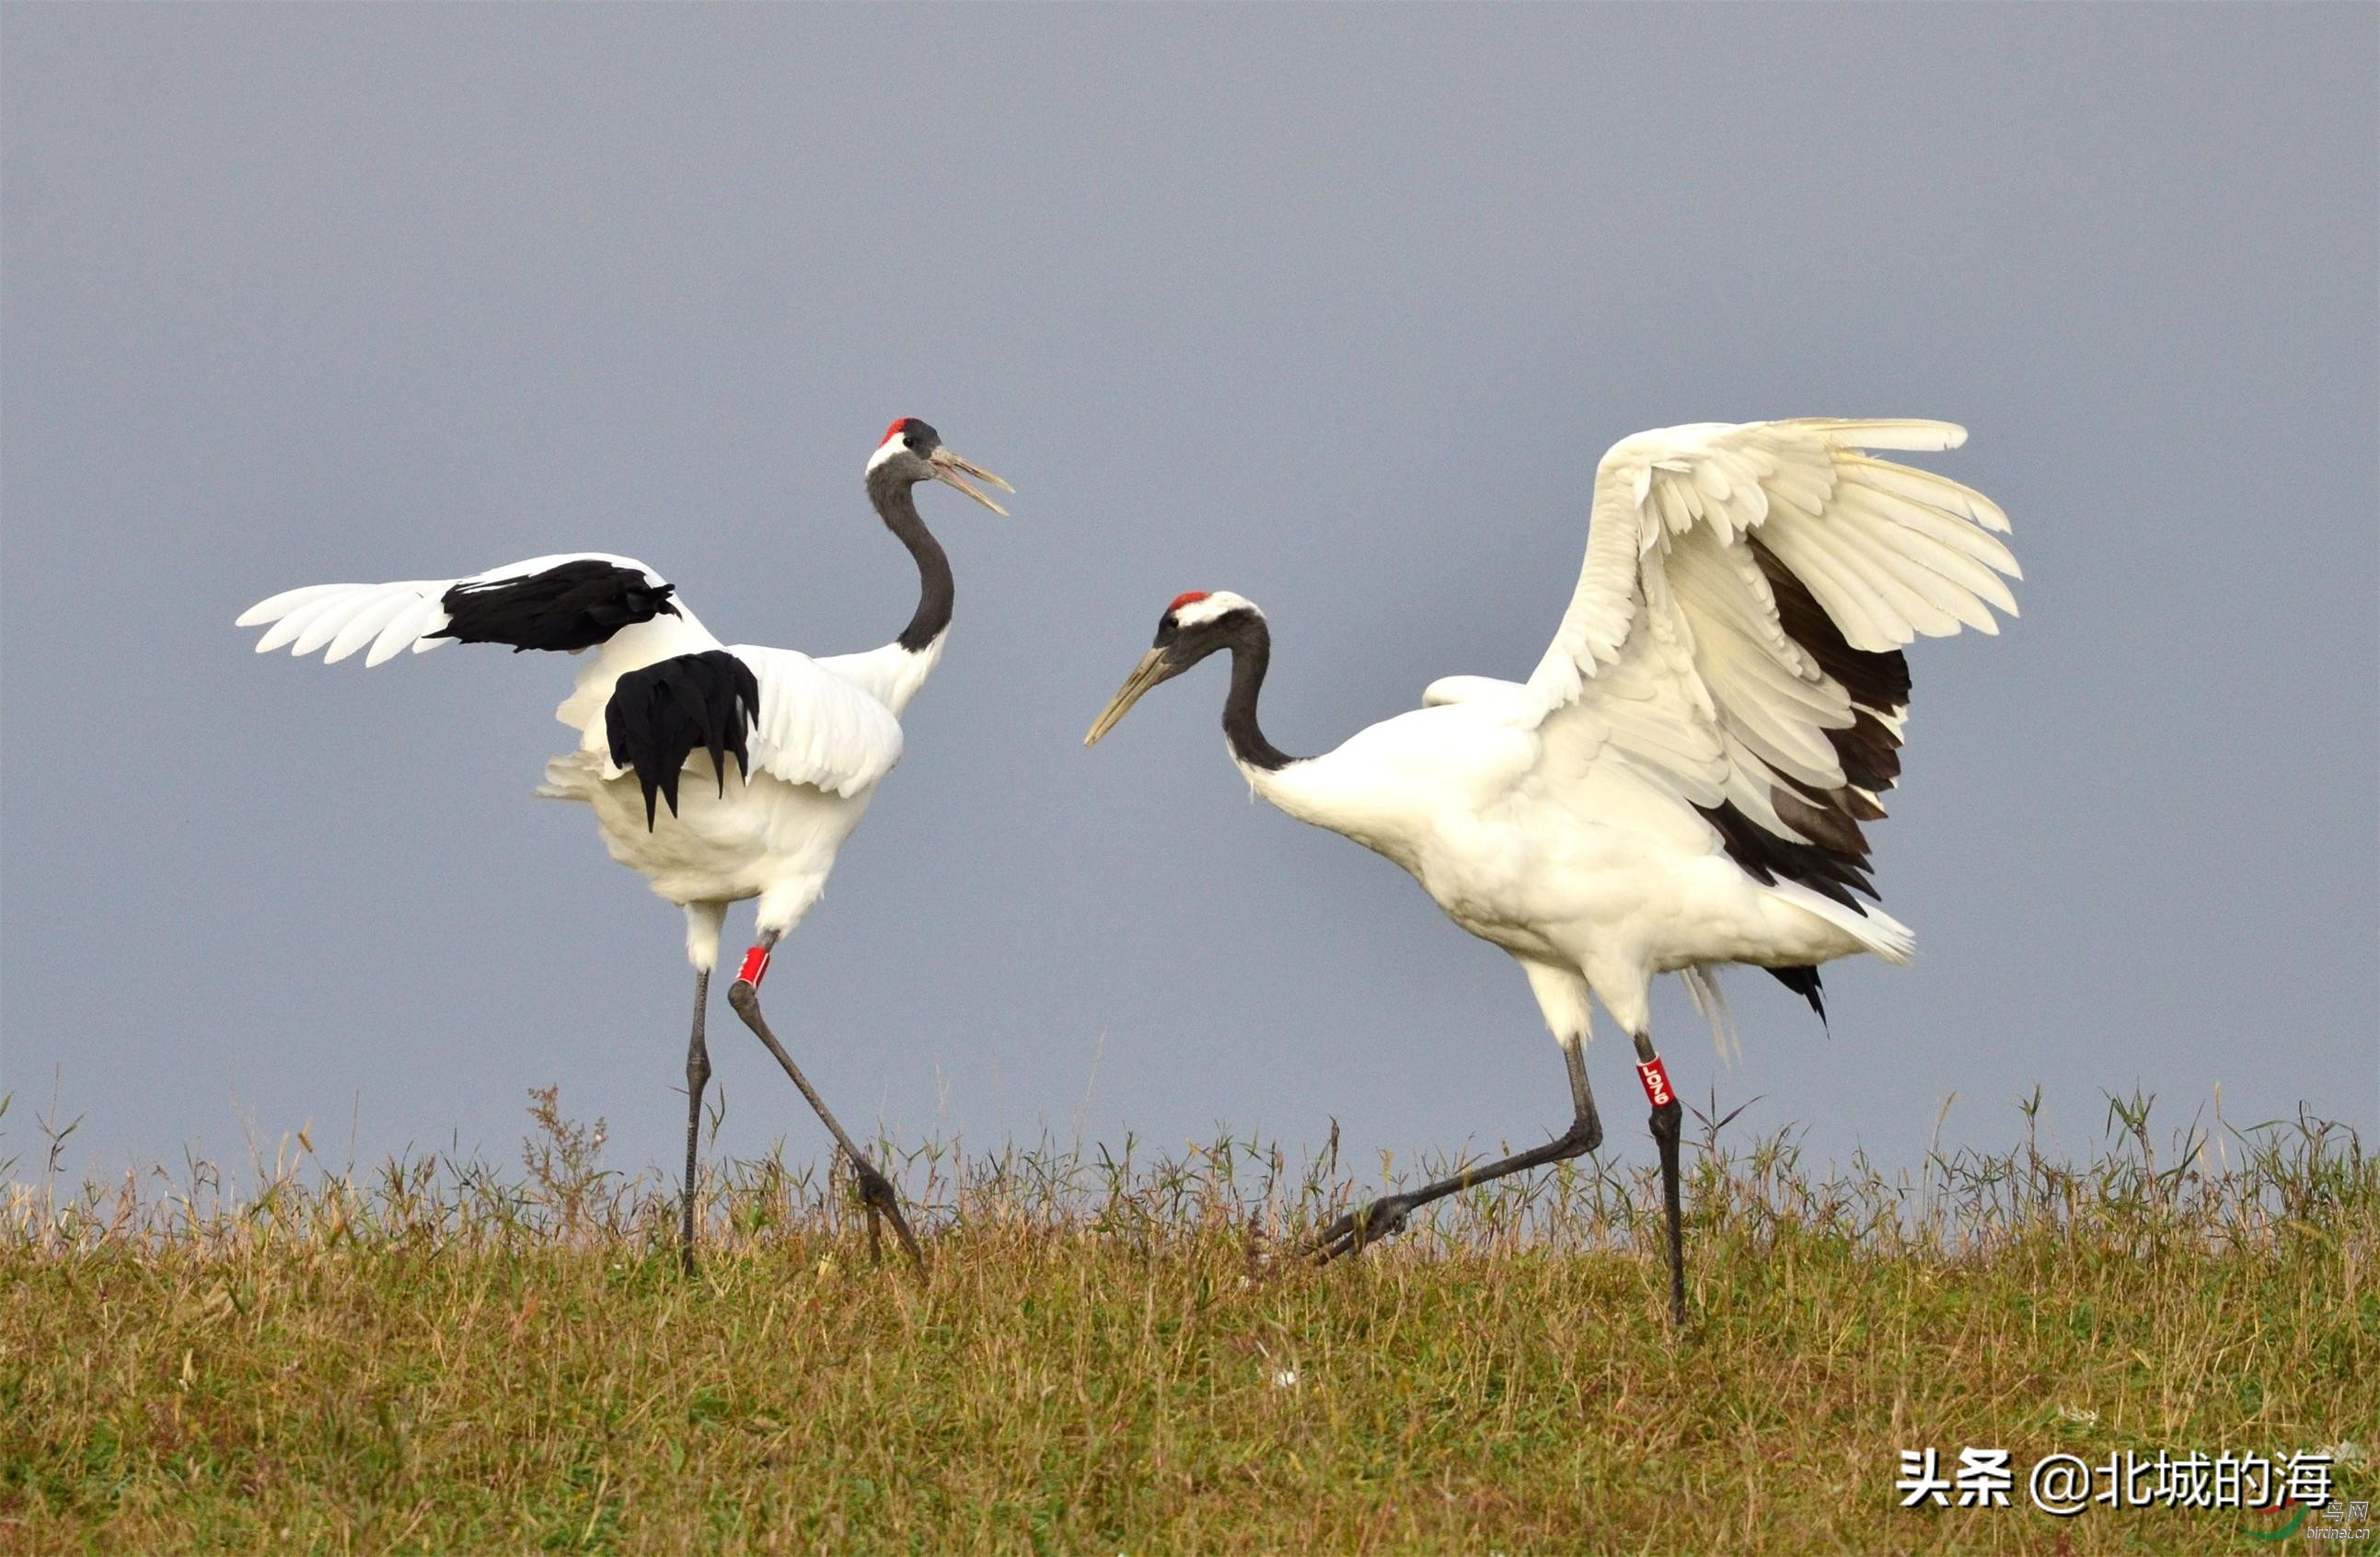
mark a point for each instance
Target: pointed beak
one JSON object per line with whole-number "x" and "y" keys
{"x": 1151, "y": 670}
{"x": 953, "y": 470}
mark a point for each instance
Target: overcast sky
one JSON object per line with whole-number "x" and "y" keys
{"x": 1334, "y": 307}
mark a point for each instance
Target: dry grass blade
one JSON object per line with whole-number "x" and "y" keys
{"x": 439, "y": 1355}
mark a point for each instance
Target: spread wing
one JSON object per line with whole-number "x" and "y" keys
{"x": 1739, "y": 619}
{"x": 658, "y": 690}
{"x": 567, "y": 601}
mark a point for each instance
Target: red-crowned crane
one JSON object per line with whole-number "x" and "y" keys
{"x": 661, "y": 701}
{"x": 1681, "y": 782}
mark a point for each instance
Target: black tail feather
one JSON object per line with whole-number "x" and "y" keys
{"x": 1804, "y": 981}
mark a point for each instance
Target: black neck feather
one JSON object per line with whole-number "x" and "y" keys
{"x": 1251, "y": 646}
{"x": 897, "y": 505}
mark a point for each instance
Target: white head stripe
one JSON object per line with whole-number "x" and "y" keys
{"x": 1200, "y": 612}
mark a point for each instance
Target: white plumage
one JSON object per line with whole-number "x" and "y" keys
{"x": 765, "y": 758}
{"x": 818, "y": 746}
{"x": 1733, "y": 703}
{"x": 1679, "y": 782}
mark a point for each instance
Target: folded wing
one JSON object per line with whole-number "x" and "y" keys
{"x": 814, "y": 727}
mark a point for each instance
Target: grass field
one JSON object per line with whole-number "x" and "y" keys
{"x": 1109, "y": 1355}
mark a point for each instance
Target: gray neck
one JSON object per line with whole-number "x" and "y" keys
{"x": 896, "y": 504}
{"x": 1251, "y": 647}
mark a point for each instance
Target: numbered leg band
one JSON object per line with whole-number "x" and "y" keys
{"x": 1656, "y": 1080}
{"x": 756, "y": 968}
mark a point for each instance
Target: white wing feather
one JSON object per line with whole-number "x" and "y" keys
{"x": 390, "y": 617}
{"x": 815, "y": 726}
{"x": 1672, "y": 650}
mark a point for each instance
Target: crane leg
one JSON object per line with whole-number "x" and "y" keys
{"x": 1668, "y": 1117}
{"x": 875, "y": 1189}
{"x": 1389, "y": 1213}
{"x": 698, "y": 1076}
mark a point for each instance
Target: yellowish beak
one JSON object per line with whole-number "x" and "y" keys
{"x": 1146, "y": 674}
{"x": 953, "y": 470}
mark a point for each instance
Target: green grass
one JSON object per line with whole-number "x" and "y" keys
{"x": 1109, "y": 1355}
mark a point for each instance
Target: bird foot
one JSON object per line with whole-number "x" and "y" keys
{"x": 1381, "y": 1219}
{"x": 876, "y": 1194}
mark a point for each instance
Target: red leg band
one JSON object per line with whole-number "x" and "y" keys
{"x": 756, "y": 967}
{"x": 1656, "y": 1080}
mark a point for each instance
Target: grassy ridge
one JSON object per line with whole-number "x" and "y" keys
{"x": 1108, "y": 1357}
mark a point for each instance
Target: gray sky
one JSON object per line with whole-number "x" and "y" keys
{"x": 1333, "y": 307}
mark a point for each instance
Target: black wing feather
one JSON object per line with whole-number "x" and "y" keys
{"x": 573, "y": 606}
{"x": 1835, "y": 861}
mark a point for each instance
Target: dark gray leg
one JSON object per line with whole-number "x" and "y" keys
{"x": 1667, "y": 1118}
{"x": 875, "y": 1189}
{"x": 698, "y": 1076}
{"x": 1388, "y": 1214}
{"x": 1582, "y": 1100}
